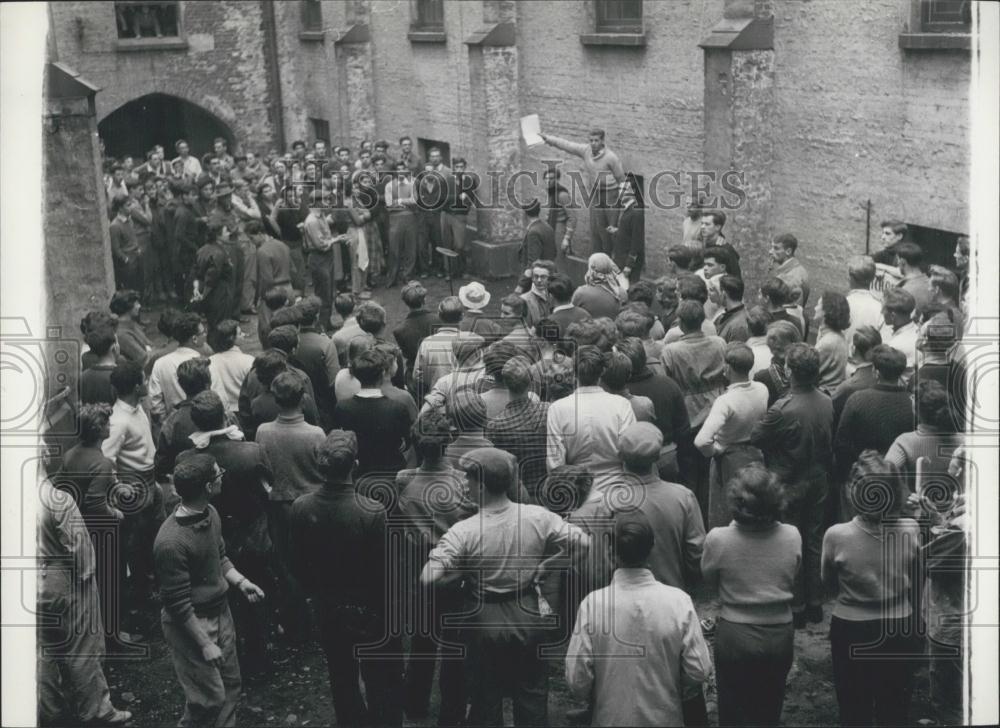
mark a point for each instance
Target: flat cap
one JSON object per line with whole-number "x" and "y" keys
{"x": 641, "y": 440}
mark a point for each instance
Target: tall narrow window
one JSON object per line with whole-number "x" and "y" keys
{"x": 429, "y": 15}
{"x": 137, "y": 20}
{"x": 945, "y": 16}
{"x": 312, "y": 16}
{"x": 619, "y": 16}
{"x": 320, "y": 129}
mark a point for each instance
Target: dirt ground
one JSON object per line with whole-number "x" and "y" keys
{"x": 297, "y": 693}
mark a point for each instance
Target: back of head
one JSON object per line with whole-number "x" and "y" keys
{"x": 450, "y": 310}
{"x": 865, "y": 339}
{"x": 642, "y": 291}
{"x": 899, "y": 301}
{"x": 692, "y": 288}
{"x": 911, "y": 253}
{"x": 125, "y": 377}
{"x": 633, "y": 348}
{"x": 431, "y": 435}
{"x": 589, "y": 365}
{"x": 466, "y": 349}
{"x": 185, "y": 326}
{"x": 496, "y": 356}
{"x": 890, "y": 363}
{"x": 192, "y": 474}
{"x": 691, "y": 316}
{"x": 92, "y": 419}
{"x": 781, "y": 335}
{"x": 634, "y": 539}
{"x": 344, "y": 304}
{"x": 336, "y": 455}
{"x": 268, "y": 365}
{"x": 468, "y": 411}
{"x": 101, "y": 340}
{"x": 874, "y": 487}
{"x": 413, "y": 294}
{"x": 368, "y": 368}
{"x": 836, "y": 311}
{"x": 732, "y": 287}
{"x": 861, "y": 271}
{"x": 634, "y": 323}
{"x": 755, "y": 495}
{"x": 309, "y": 308}
{"x": 933, "y": 406}
{"x": 516, "y": 375}
{"x": 288, "y": 389}
{"x": 276, "y": 297}
{"x": 803, "y": 363}
{"x": 207, "y": 411}
{"x": 586, "y": 333}
{"x": 739, "y": 357}
{"x": 123, "y": 301}
{"x": 945, "y": 281}
{"x": 370, "y": 317}
{"x": 685, "y": 257}
{"x": 776, "y": 291}
{"x": 283, "y": 338}
{"x": 561, "y": 289}
{"x": 617, "y": 371}
{"x": 287, "y": 316}
{"x": 757, "y": 320}
{"x": 517, "y": 305}
{"x": 495, "y": 470}
{"x": 565, "y": 488}
{"x": 223, "y": 336}
{"x": 194, "y": 376}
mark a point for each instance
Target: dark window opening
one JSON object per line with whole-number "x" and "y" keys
{"x": 425, "y": 145}
{"x": 138, "y": 20}
{"x": 320, "y": 129}
{"x": 429, "y": 15}
{"x": 938, "y": 245}
{"x": 945, "y": 16}
{"x": 619, "y": 16}
{"x": 312, "y": 16}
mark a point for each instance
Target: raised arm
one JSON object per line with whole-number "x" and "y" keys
{"x": 574, "y": 148}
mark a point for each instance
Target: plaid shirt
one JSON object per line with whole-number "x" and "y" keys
{"x": 520, "y": 430}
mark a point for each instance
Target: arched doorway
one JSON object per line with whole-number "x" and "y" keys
{"x": 133, "y": 128}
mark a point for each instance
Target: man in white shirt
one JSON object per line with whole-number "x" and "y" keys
{"x": 899, "y": 331}
{"x": 229, "y": 365}
{"x": 585, "y": 427}
{"x": 190, "y": 167}
{"x": 865, "y": 304}
{"x": 725, "y": 435}
{"x": 636, "y": 640}
{"x": 164, "y": 390}
{"x": 757, "y": 321}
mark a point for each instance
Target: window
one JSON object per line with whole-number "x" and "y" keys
{"x": 139, "y": 20}
{"x": 320, "y": 129}
{"x": 425, "y": 145}
{"x": 945, "y": 16}
{"x": 312, "y": 16}
{"x": 429, "y": 15}
{"x": 619, "y": 16}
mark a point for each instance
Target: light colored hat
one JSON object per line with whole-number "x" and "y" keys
{"x": 474, "y": 296}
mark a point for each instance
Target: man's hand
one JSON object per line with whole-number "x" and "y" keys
{"x": 565, "y": 245}
{"x": 611, "y": 229}
{"x": 212, "y": 654}
{"x": 251, "y": 591}
{"x": 626, "y": 271}
{"x": 545, "y": 137}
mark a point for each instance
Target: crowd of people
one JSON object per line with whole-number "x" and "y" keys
{"x": 543, "y": 480}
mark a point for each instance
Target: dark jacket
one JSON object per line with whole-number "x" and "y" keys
{"x": 795, "y": 436}
{"x": 628, "y": 249}
{"x": 568, "y": 316}
{"x": 539, "y": 243}
{"x": 417, "y": 326}
{"x": 672, "y": 417}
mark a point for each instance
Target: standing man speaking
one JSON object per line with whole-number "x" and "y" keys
{"x": 605, "y": 173}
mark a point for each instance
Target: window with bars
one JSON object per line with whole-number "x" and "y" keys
{"x": 619, "y": 16}
{"x": 429, "y": 15}
{"x": 945, "y": 16}
{"x": 312, "y": 16}
{"x": 140, "y": 20}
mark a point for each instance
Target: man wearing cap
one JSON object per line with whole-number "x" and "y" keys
{"x": 475, "y": 298}
{"x": 502, "y": 552}
{"x": 337, "y": 525}
{"x": 637, "y": 641}
{"x": 539, "y": 239}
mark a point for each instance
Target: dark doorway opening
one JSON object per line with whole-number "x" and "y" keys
{"x": 425, "y": 145}
{"x": 134, "y": 128}
{"x": 938, "y": 245}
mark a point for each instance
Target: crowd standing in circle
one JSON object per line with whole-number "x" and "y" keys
{"x": 565, "y": 465}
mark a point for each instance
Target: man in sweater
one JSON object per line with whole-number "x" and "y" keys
{"x": 417, "y": 326}
{"x": 605, "y": 172}
{"x": 520, "y": 428}
{"x": 95, "y": 380}
{"x": 434, "y": 357}
{"x": 312, "y": 355}
{"x": 910, "y": 258}
{"x": 194, "y": 574}
{"x": 731, "y": 321}
{"x": 789, "y": 269}
{"x": 195, "y": 377}
{"x": 289, "y": 443}
{"x": 352, "y": 601}
{"x": 795, "y": 437}
{"x": 863, "y": 343}
{"x": 563, "y": 311}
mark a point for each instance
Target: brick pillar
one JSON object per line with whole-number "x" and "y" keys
{"x": 493, "y": 71}
{"x": 739, "y": 104}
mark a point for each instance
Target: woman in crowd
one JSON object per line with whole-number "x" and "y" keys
{"x": 833, "y": 315}
{"x": 869, "y": 562}
{"x": 753, "y": 562}
{"x": 602, "y": 293}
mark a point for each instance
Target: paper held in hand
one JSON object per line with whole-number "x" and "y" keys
{"x": 531, "y": 130}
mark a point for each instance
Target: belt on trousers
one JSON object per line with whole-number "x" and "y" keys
{"x": 491, "y": 597}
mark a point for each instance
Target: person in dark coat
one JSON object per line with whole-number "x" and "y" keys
{"x": 539, "y": 239}
{"x": 629, "y": 233}
{"x": 213, "y": 278}
{"x": 417, "y": 326}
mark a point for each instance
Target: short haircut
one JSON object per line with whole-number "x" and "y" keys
{"x": 617, "y": 370}
{"x": 368, "y": 367}
{"x": 685, "y": 257}
{"x": 344, "y": 304}
{"x": 92, "y": 419}
{"x": 597, "y": 133}
{"x": 787, "y": 241}
{"x": 390, "y": 354}
{"x": 873, "y": 486}
{"x": 288, "y": 389}
{"x": 933, "y": 407}
{"x": 755, "y": 495}
{"x": 516, "y": 304}
{"x": 781, "y": 335}
{"x": 899, "y": 301}
{"x": 634, "y": 323}
{"x": 287, "y": 316}
{"x": 861, "y": 270}
{"x": 194, "y": 376}
{"x": 516, "y": 375}
{"x": 588, "y": 332}
{"x": 912, "y": 253}
{"x": 123, "y": 301}
{"x": 802, "y": 361}
{"x": 298, "y": 143}
{"x": 865, "y": 339}
{"x": 642, "y": 291}
{"x": 634, "y": 538}
{"x": 692, "y": 288}
{"x": 285, "y": 338}
{"x": 370, "y": 317}
{"x": 414, "y": 294}
{"x": 776, "y": 291}
{"x": 96, "y": 319}
{"x": 309, "y": 308}
{"x": 207, "y": 411}
{"x": 359, "y": 344}
{"x": 732, "y": 287}
{"x": 336, "y": 455}
{"x": 223, "y": 336}
{"x": 459, "y": 160}
{"x": 431, "y": 435}
{"x": 466, "y": 348}
{"x": 118, "y": 204}
{"x": 739, "y": 357}
{"x": 609, "y": 333}
{"x": 633, "y": 348}
{"x": 757, "y": 320}
{"x": 897, "y": 227}
{"x": 185, "y": 326}
{"x": 690, "y": 315}
{"x": 496, "y": 356}
{"x": 101, "y": 340}
{"x": 496, "y": 475}
{"x": 165, "y": 324}
{"x": 126, "y": 376}
{"x": 890, "y": 363}
{"x": 192, "y": 474}
{"x": 721, "y": 256}
{"x": 276, "y": 297}
{"x": 718, "y": 217}
{"x": 405, "y": 139}
{"x": 589, "y": 365}
{"x": 450, "y": 310}
{"x": 836, "y": 311}
{"x": 268, "y": 365}
{"x": 945, "y": 281}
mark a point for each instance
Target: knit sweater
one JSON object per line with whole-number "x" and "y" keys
{"x": 604, "y": 169}
{"x": 289, "y": 443}
{"x": 191, "y": 563}
{"x": 754, "y": 569}
{"x": 874, "y": 580}
{"x": 872, "y": 418}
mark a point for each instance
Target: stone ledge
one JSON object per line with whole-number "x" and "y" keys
{"x": 357, "y": 33}
{"x": 312, "y": 36}
{"x": 131, "y": 45}
{"x": 628, "y": 40}
{"x": 427, "y": 36}
{"x": 935, "y": 41}
{"x": 493, "y": 260}
{"x": 498, "y": 35}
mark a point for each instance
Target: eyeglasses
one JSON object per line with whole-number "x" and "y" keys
{"x": 218, "y": 476}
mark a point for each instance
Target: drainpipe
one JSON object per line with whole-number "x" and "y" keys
{"x": 273, "y": 71}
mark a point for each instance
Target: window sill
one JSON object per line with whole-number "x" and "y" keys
{"x": 629, "y": 40}
{"x": 128, "y": 45}
{"x": 935, "y": 41}
{"x": 312, "y": 36}
{"x": 427, "y": 36}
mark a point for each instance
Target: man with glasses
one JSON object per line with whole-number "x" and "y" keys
{"x": 537, "y": 297}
